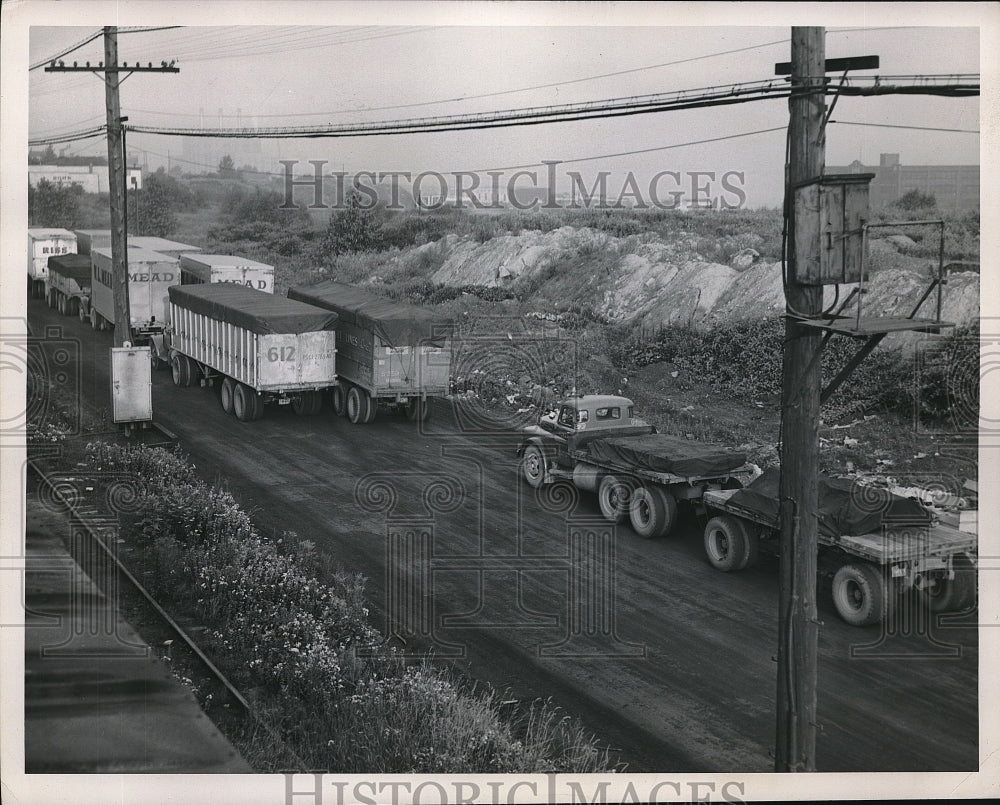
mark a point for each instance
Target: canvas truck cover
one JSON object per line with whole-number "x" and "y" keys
{"x": 396, "y": 323}
{"x": 254, "y": 310}
{"x": 659, "y": 452}
{"x": 845, "y": 508}
{"x": 72, "y": 266}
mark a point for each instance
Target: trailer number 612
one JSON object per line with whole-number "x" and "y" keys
{"x": 281, "y": 354}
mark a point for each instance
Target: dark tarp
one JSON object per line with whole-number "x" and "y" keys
{"x": 254, "y": 310}
{"x": 396, "y": 323}
{"x": 74, "y": 266}
{"x": 845, "y": 508}
{"x": 662, "y": 453}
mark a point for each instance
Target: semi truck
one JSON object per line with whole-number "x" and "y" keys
{"x": 390, "y": 354}
{"x": 873, "y": 546}
{"x": 150, "y": 274}
{"x": 199, "y": 268}
{"x": 596, "y": 443}
{"x": 43, "y": 244}
{"x": 68, "y": 282}
{"x": 257, "y": 347}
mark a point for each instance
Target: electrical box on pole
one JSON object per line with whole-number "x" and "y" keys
{"x": 830, "y": 214}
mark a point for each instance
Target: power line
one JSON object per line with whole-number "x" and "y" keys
{"x": 92, "y": 37}
{"x": 913, "y": 128}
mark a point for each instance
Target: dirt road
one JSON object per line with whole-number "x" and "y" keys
{"x": 666, "y": 658}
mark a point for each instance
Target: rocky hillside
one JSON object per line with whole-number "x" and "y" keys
{"x": 649, "y": 281}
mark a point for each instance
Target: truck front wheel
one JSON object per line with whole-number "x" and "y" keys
{"x": 652, "y": 511}
{"x": 726, "y": 543}
{"x": 860, "y": 594}
{"x": 533, "y": 466}
{"x": 613, "y": 497}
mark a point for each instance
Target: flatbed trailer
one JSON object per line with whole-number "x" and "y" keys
{"x": 595, "y": 443}
{"x": 868, "y": 570}
{"x": 390, "y": 354}
{"x": 256, "y": 347}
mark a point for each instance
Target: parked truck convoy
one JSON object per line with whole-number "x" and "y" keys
{"x": 43, "y": 244}
{"x": 875, "y": 546}
{"x": 596, "y": 443}
{"x": 259, "y": 348}
{"x": 390, "y": 353}
{"x": 68, "y": 283}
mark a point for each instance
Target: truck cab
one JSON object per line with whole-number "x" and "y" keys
{"x": 589, "y": 413}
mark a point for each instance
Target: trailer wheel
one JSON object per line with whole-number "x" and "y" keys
{"x": 859, "y": 594}
{"x": 954, "y": 594}
{"x": 613, "y": 495}
{"x": 726, "y": 543}
{"x": 243, "y": 403}
{"x": 418, "y": 409}
{"x": 94, "y": 316}
{"x": 371, "y": 410}
{"x": 256, "y": 404}
{"x": 82, "y": 312}
{"x": 180, "y": 369}
{"x": 307, "y": 403}
{"x": 354, "y": 407}
{"x": 652, "y": 511}
{"x": 72, "y": 305}
{"x": 226, "y": 393}
{"x": 752, "y": 553}
{"x": 339, "y": 400}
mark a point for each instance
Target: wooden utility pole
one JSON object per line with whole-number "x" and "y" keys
{"x": 109, "y": 71}
{"x": 116, "y": 191}
{"x": 800, "y": 408}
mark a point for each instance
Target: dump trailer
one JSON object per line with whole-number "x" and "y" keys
{"x": 257, "y": 347}
{"x": 88, "y": 239}
{"x": 390, "y": 353}
{"x": 201, "y": 268}
{"x": 596, "y": 443}
{"x": 43, "y": 244}
{"x": 874, "y": 546}
{"x": 149, "y": 276}
{"x": 68, "y": 282}
{"x": 161, "y": 245}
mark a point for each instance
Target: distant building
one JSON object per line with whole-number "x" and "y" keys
{"x": 954, "y": 187}
{"x": 93, "y": 178}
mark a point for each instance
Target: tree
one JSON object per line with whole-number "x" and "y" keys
{"x": 152, "y": 210}
{"x": 915, "y": 200}
{"x": 54, "y": 205}
{"x": 354, "y": 228}
{"x": 226, "y": 167}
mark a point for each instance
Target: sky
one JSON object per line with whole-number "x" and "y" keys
{"x": 371, "y": 64}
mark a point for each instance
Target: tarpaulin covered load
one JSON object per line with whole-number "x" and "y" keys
{"x": 72, "y": 266}
{"x": 254, "y": 310}
{"x": 845, "y": 507}
{"x": 397, "y": 324}
{"x": 662, "y": 453}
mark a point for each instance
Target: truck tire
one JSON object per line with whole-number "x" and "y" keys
{"x": 652, "y": 511}
{"x": 244, "y": 403}
{"x": 307, "y": 403}
{"x": 371, "y": 410}
{"x": 726, "y": 543}
{"x": 226, "y": 393}
{"x": 72, "y": 305}
{"x": 339, "y": 400}
{"x": 94, "y": 319}
{"x": 954, "y": 594}
{"x": 82, "y": 313}
{"x": 355, "y": 407}
{"x": 418, "y": 409}
{"x": 860, "y": 594}
{"x": 753, "y": 545}
{"x": 533, "y": 466}
{"x": 257, "y": 406}
{"x": 613, "y": 495}
{"x": 180, "y": 369}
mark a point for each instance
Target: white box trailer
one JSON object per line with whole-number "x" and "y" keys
{"x": 259, "y": 347}
{"x": 390, "y": 353}
{"x": 88, "y": 239}
{"x": 201, "y": 268}
{"x": 43, "y": 244}
{"x": 68, "y": 282}
{"x": 161, "y": 245}
{"x": 150, "y": 274}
